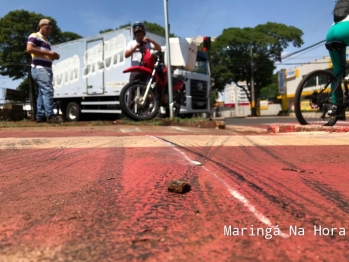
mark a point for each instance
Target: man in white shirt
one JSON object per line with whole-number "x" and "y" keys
{"x": 134, "y": 47}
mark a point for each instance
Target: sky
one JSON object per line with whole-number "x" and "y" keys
{"x": 187, "y": 18}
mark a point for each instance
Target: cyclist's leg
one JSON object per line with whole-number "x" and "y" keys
{"x": 339, "y": 32}
{"x": 336, "y": 62}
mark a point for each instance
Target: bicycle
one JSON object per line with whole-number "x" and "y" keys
{"x": 329, "y": 101}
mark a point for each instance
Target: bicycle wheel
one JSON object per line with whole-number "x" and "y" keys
{"x": 314, "y": 103}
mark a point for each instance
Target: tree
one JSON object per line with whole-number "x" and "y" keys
{"x": 24, "y": 88}
{"x": 15, "y": 27}
{"x": 231, "y": 60}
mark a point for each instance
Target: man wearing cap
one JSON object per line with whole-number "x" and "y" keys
{"x": 42, "y": 56}
{"x": 134, "y": 47}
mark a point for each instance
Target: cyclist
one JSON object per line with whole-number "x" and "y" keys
{"x": 339, "y": 31}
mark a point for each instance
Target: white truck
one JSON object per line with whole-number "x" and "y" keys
{"x": 88, "y": 77}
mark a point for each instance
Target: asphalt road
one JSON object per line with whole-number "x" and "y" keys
{"x": 100, "y": 194}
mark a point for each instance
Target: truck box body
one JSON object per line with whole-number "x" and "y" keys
{"x": 94, "y": 65}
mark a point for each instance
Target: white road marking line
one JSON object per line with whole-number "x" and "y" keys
{"x": 187, "y": 158}
{"x": 246, "y": 203}
{"x": 180, "y": 129}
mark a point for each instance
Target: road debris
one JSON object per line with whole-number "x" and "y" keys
{"x": 178, "y": 186}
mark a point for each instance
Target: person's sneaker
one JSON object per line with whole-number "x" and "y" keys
{"x": 40, "y": 120}
{"x": 54, "y": 119}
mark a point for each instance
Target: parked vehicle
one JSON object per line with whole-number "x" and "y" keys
{"x": 89, "y": 76}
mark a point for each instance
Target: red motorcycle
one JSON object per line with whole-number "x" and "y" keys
{"x": 142, "y": 98}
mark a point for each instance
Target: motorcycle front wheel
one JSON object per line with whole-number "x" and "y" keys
{"x": 131, "y": 102}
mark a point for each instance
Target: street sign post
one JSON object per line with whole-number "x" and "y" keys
{"x": 282, "y": 86}
{"x": 282, "y": 82}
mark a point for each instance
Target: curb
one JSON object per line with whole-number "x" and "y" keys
{"x": 241, "y": 129}
{"x": 246, "y": 129}
{"x": 299, "y": 128}
{"x": 220, "y": 124}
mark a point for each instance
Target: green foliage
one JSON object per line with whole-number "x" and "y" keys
{"x": 213, "y": 97}
{"x": 156, "y": 29}
{"x": 24, "y": 87}
{"x": 120, "y": 27}
{"x": 270, "y": 92}
{"x": 68, "y": 36}
{"x": 15, "y": 27}
{"x": 106, "y": 30}
{"x": 230, "y": 54}
{"x": 124, "y": 26}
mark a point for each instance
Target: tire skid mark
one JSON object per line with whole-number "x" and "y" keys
{"x": 145, "y": 224}
{"x": 235, "y": 193}
{"x": 294, "y": 212}
{"x": 288, "y": 204}
{"x": 322, "y": 189}
{"x": 267, "y": 151}
{"x": 254, "y": 172}
{"x": 328, "y": 193}
{"x": 280, "y": 202}
{"x": 66, "y": 167}
{"x": 280, "y": 188}
{"x": 52, "y": 154}
{"x": 23, "y": 187}
{"x": 239, "y": 177}
{"x": 140, "y": 229}
{"x": 103, "y": 210}
{"x": 284, "y": 205}
{"x": 97, "y": 202}
{"x": 114, "y": 231}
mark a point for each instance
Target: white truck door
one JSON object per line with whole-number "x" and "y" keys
{"x": 94, "y": 66}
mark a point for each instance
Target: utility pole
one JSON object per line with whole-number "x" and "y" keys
{"x": 253, "y": 106}
{"x": 168, "y": 57}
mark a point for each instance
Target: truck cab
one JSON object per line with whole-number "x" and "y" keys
{"x": 196, "y": 98}
{"x": 197, "y": 88}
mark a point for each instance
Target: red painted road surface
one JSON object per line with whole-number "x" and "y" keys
{"x": 112, "y": 204}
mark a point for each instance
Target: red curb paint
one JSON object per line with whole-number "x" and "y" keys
{"x": 273, "y": 129}
{"x": 286, "y": 129}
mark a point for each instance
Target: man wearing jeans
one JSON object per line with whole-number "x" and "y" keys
{"x": 42, "y": 57}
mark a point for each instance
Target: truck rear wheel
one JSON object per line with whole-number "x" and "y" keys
{"x": 72, "y": 113}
